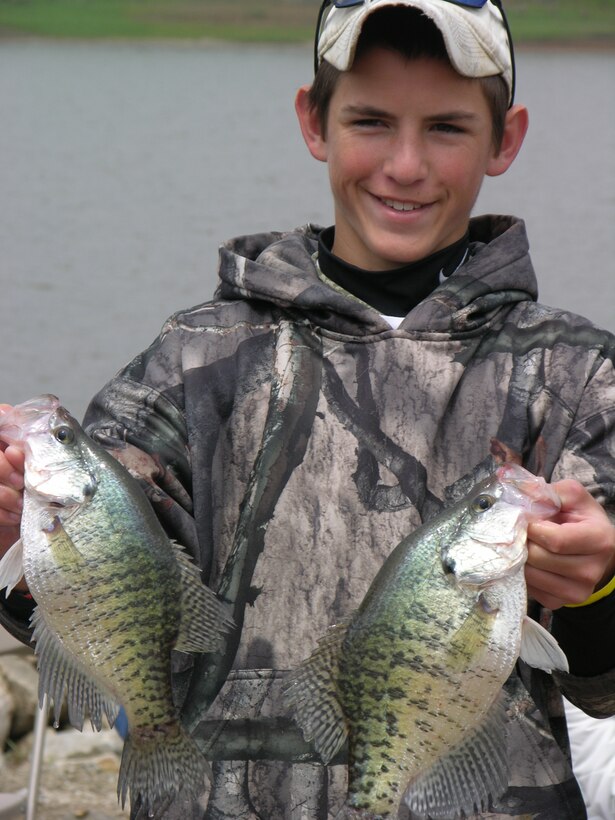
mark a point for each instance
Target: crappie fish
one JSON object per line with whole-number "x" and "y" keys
{"x": 113, "y": 596}
{"x": 414, "y": 677}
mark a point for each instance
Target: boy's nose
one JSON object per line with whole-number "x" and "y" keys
{"x": 406, "y": 163}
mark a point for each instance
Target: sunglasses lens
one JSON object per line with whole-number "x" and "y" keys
{"x": 471, "y": 4}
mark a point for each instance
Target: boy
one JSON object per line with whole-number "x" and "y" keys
{"x": 347, "y": 383}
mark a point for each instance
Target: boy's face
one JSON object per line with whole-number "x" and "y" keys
{"x": 408, "y": 143}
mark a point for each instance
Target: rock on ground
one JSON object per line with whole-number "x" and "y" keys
{"x": 78, "y": 778}
{"x": 19, "y": 673}
{"x": 80, "y": 769}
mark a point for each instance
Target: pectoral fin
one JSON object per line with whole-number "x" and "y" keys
{"x": 540, "y": 649}
{"x": 64, "y": 551}
{"x": 470, "y": 639}
{"x": 11, "y": 567}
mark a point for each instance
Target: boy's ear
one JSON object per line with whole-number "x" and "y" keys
{"x": 309, "y": 122}
{"x": 515, "y": 128}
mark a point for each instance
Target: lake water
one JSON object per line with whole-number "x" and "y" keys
{"x": 124, "y": 166}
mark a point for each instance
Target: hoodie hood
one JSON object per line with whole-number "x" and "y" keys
{"x": 281, "y": 268}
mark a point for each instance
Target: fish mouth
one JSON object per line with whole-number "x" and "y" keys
{"x": 537, "y": 498}
{"x": 29, "y": 417}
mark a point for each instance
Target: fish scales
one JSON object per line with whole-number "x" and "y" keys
{"x": 138, "y": 617}
{"x": 113, "y": 596}
{"x": 414, "y": 677}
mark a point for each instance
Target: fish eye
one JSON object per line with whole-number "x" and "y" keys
{"x": 483, "y": 502}
{"x": 64, "y": 434}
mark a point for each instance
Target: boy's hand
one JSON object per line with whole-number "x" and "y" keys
{"x": 11, "y": 492}
{"x": 572, "y": 555}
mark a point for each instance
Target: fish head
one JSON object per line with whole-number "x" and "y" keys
{"x": 490, "y": 541}
{"x": 56, "y": 465}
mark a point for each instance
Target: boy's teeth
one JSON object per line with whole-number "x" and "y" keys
{"x": 400, "y": 206}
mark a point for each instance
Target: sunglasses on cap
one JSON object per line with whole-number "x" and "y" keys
{"x": 470, "y": 4}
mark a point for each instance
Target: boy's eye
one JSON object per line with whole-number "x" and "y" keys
{"x": 368, "y": 123}
{"x": 447, "y": 128}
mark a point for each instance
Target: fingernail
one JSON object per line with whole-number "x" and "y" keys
{"x": 16, "y": 479}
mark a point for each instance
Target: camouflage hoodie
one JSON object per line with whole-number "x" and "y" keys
{"x": 290, "y": 438}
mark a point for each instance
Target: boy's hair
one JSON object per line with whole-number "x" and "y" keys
{"x": 413, "y": 35}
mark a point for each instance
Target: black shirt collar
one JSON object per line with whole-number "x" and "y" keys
{"x": 392, "y": 292}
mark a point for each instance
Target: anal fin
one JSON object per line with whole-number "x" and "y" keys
{"x": 60, "y": 676}
{"x": 469, "y": 776}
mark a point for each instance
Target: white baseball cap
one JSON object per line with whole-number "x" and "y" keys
{"x": 475, "y": 33}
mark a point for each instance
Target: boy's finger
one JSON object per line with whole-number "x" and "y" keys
{"x": 12, "y": 462}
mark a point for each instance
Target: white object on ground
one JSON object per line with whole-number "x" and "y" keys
{"x": 592, "y": 743}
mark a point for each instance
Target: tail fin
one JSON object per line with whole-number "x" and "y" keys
{"x": 159, "y": 764}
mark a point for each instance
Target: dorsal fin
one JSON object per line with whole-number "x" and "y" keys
{"x": 204, "y": 618}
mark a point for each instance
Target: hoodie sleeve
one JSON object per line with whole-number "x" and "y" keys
{"x": 139, "y": 418}
{"x": 15, "y": 613}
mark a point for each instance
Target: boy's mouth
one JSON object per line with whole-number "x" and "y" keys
{"x": 398, "y": 205}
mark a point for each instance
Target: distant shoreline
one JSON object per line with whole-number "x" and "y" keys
{"x": 593, "y": 44}
{"x": 569, "y": 24}
{"x": 568, "y": 44}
